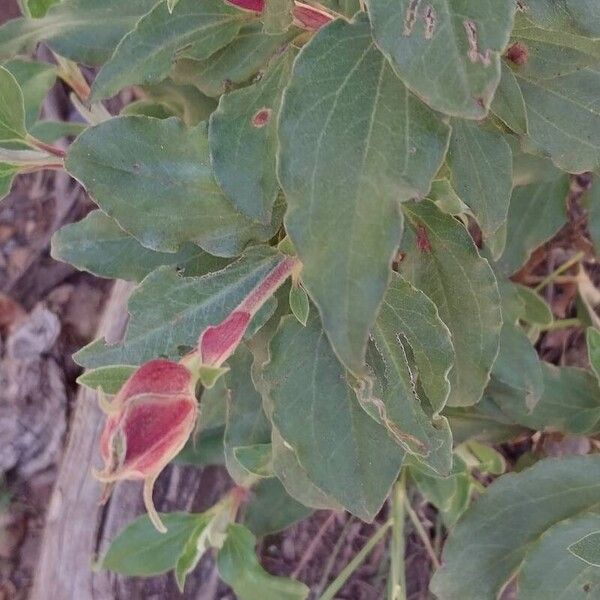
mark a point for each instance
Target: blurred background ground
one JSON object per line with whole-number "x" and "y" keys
{"x": 48, "y": 310}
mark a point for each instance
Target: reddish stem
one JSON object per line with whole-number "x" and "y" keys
{"x": 218, "y": 342}
{"x": 48, "y": 148}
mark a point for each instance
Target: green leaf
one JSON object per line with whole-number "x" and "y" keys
{"x": 445, "y": 265}
{"x": 558, "y": 82}
{"x": 446, "y": 198}
{"x": 243, "y": 141}
{"x": 285, "y": 462}
{"x": 140, "y": 550}
{"x": 299, "y": 303}
{"x": 508, "y": 103}
{"x": 249, "y": 51}
{"x": 529, "y": 168}
{"x": 563, "y": 121}
{"x": 446, "y": 52}
{"x": 484, "y": 422}
{"x": 206, "y": 447}
{"x": 36, "y": 8}
{"x": 397, "y": 406}
{"x": 98, "y": 245}
{"x": 7, "y": 174}
{"x": 110, "y": 379}
{"x": 488, "y": 460}
{"x": 513, "y": 517}
{"x": 69, "y": 26}
{"x": 184, "y": 101}
{"x": 518, "y": 365}
{"x": 240, "y": 569}
{"x": 569, "y": 403}
{"x": 214, "y": 406}
{"x": 154, "y": 178}
{"x": 146, "y": 53}
{"x": 548, "y": 55}
{"x": 579, "y": 16}
{"x": 345, "y": 452}
{"x": 246, "y": 423}
{"x": 535, "y": 309}
{"x": 536, "y": 213}
{"x": 480, "y": 162}
{"x": 409, "y": 313}
{"x": 148, "y": 108}
{"x": 271, "y": 509}
{"x": 12, "y": 109}
{"x": 347, "y": 8}
{"x": 593, "y": 206}
{"x": 353, "y": 143}
{"x": 35, "y": 79}
{"x": 49, "y": 131}
{"x": 277, "y": 16}
{"x": 257, "y": 459}
{"x": 592, "y": 337}
{"x": 192, "y": 551}
{"x": 588, "y": 548}
{"x": 450, "y": 495}
{"x": 295, "y": 478}
{"x": 568, "y": 577}
{"x": 168, "y": 311}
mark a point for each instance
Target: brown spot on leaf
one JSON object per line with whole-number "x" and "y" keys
{"x": 410, "y": 17}
{"x": 422, "y": 240}
{"x": 429, "y": 18}
{"x": 474, "y": 54}
{"x": 397, "y": 260}
{"x": 261, "y": 117}
{"x": 517, "y": 53}
{"x": 136, "y": 167}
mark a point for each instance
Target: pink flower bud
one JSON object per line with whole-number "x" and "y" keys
{"x": 309, "y": 17}
{"x": 148, "y": 423}
{"x": 253, "y": 5}
{"x": 218, "y": 342}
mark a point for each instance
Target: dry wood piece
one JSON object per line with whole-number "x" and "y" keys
{"x": 78, "y": 529}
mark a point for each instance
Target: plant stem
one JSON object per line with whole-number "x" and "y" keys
{"x": 313, "y": 545}
{"x": 421, "y": 533}
{"x": 71, "y": 74}
{"x": 397, "y": 580}
{"x": 347, "y": 571}
{"x": 562, "y": 324}
{"x": 333, "y": 555}
{"x": 49, "y": 148}
{"x": 576, "y": 258}
{"x": 29, "y": 161}
{"x": 93, "y": 114}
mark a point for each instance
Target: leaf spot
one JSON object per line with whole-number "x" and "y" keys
{"x": 429, "y": 18}
{"x": 422, "y": 240}
{"x": 517, "y": 53}
{"x": 136, "y": 167}
{"x": 410, "y": 17}
{"x": 474, "y": 54}
{"x": 261, "y": 117}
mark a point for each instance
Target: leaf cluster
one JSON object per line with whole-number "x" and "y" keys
{"x": 412, "y": 155}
